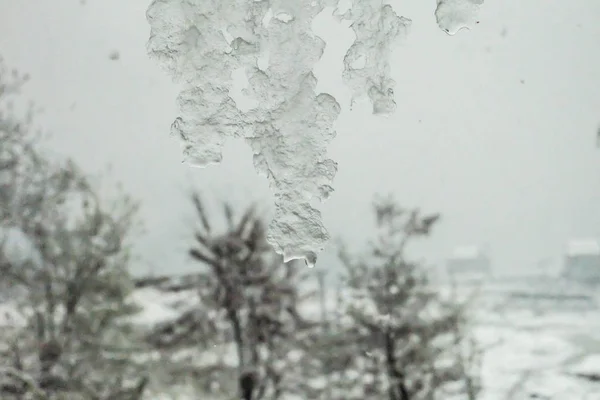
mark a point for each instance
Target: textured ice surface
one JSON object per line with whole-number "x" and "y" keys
{"x": 454, "y": 15}
{"x": 203, "y": 44}
{"x": 367, "y": 62}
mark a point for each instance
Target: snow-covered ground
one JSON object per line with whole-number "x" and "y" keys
{"x": 545, "y": 353}
{"x": 537, "y": 352}
{"x": 541, "y": 356}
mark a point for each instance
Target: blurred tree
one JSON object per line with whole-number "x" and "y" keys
{"x": 401, "y": 337}
{"x": 69, "y": 278}
{"x": 254, "y": 298}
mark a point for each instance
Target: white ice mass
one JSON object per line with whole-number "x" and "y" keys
{"x": 201, "y": 43}
{"x": 454, "y": 15}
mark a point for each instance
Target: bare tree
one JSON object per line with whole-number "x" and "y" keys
{"x": 410, "y": 339}
{"x": 70, "y": 280}
{"x": 255, "y": 297}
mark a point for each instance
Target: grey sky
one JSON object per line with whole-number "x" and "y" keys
{"x": 495, "y": 127}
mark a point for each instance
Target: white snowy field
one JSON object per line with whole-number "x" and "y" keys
{"x": 547, "y": 356}
{"x": 537, "y": 352}
{"x": 545, "y": 353}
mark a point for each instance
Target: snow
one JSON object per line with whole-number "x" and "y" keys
{"x": 590, "y": 365}
{"x": 155, "y": 308}
{"x": 9, "y": 316}
{"x": 466, "y": 253}
{"x": 366, "y": 65}
{"x": 582, "y": 247}
{"x": 454, "y": 15}
{"x": 18, "y": 247}
{"x": 289, "y": 126}
{"x": 534, "y": 358}
{"x": 527, "y": 352}
{"x": 276, "y": 108}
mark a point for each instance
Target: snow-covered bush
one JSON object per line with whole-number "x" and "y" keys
{"x": 251, "y": 297}
{"x": 403, "y": 338}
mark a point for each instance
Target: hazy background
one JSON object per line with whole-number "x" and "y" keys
{"x": 495, "y": 127}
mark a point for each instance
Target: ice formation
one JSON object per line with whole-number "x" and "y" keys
{"x": 201, "y": 43}
{"x": 366, "y": 64}
{"x": 454, "y": 15}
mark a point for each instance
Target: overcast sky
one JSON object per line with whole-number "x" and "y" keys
{"x": 495, "y": 127}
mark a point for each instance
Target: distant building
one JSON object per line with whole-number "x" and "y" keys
{"x": 468, "y": 263}
{"x": 582, "y": 261}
